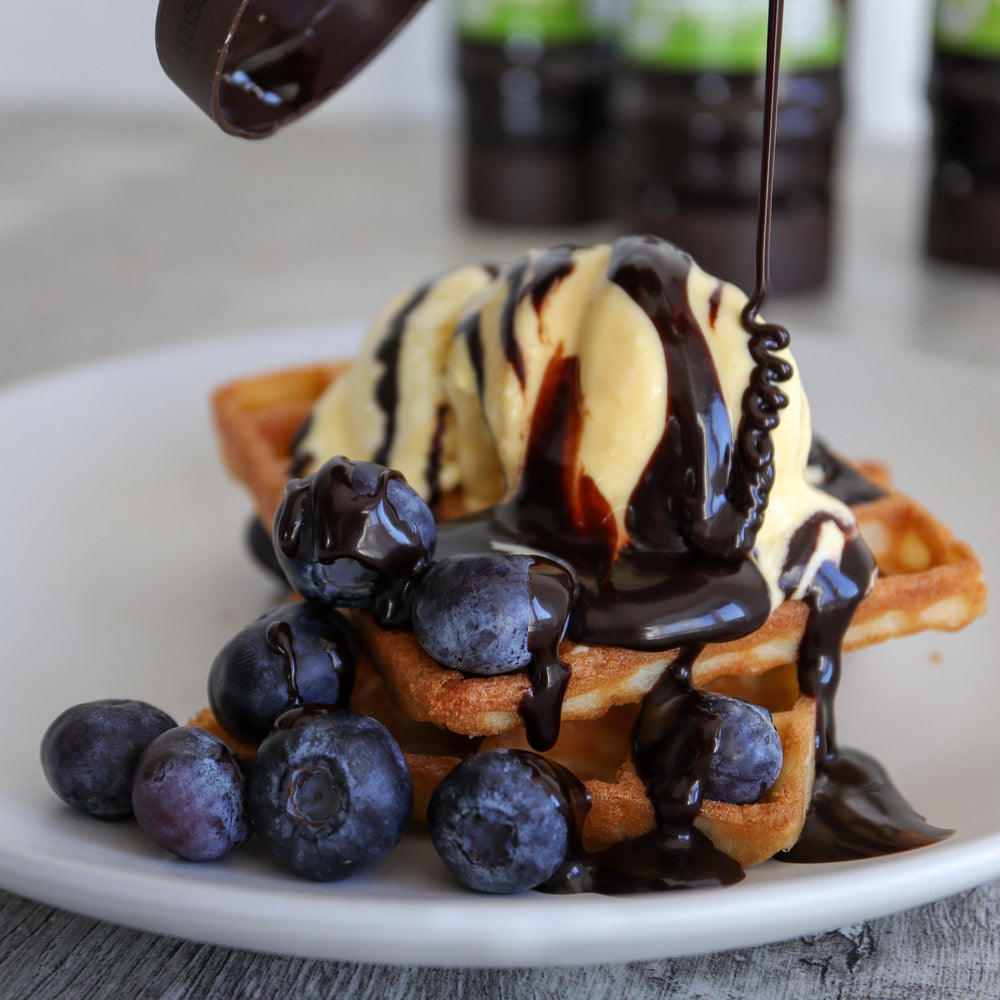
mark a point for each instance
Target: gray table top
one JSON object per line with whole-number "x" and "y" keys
{"x": 118, "y": 233}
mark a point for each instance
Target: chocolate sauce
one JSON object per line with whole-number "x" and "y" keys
{"x": 387, "y": 387}
{"x": 721, "y": 510}
{"x": 299, "y": 715}
{"x": 857, "y": 812}
{"x": 278, "y": 635}
{"x": 672, "y": 745}
{"x": 662, "y": 590}
{"x": 534, "y": 277}
{"x": 840, "y": 479}
{"x": 834, "y": 592}
{"x": 433, "y": 472}
{"x": 329, "y": 513}
{"x": 553, "y": 591}
{"x": 470, "y": 329}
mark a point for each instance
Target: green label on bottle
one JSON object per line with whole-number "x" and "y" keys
{"x": 547, "y": 20}
{"x": 968, "y": 27}
{"x": 730, "y": 35}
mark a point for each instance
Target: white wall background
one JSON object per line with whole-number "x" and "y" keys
{"x": 70, "y": 52}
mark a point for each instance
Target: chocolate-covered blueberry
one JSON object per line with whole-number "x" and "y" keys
{"x": 260, "y": 545}
{"x": 293, "y": 654}
{"x": 748, "y": 754}
{"x": 332, "y": 796}
{"x": 189, "y": 794}
{"x": 90, "y": 751}
{"x": 350, "y": 531}
{"x": 496, "y": 823}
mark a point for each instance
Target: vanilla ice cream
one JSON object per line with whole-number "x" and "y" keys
{"x": 448, "y": 383}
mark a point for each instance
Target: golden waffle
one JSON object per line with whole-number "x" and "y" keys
{"x": 597, "y": 752}
{"x": 928, "y": 580}
{"x": 257, "y": 418}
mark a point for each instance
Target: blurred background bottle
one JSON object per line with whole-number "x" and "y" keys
{"x": 688, "y": 102}
{"x": 535, "y": 76}
{"x": 964, "y": 206}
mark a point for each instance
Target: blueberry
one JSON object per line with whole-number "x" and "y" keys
{"x": 90, "y": 752}
{"x": 473, "y": 612}
{"x": 748, "y": 755}
{"x": 260, "y": 545}
{"x": 349, "y": 530}
{"x": 189, "y": 794}
{"x": 294, "y": 654}
{"x": 496, "y": 825}
{"x": 331, "y": 796}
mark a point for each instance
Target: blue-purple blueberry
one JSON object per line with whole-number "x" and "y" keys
{"x": 473, "y": 613}
{"x": 294, "y": 654}
{"x": 331, "y": 796}
{"x": 349, "y": 530}
{"x": 90, "y": 751}
{"x": 496, "y": 826}
{"x": 189, "y": 794}
{"x": 748, "y": 755}
{"x": 260, "y": 545}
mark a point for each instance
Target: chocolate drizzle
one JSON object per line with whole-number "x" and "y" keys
{"x": 469, "y": 328}
{"x": 839, "y": 479}
{"x": 672, "y": 745}
{"x": 857, "y": 812}
{"x": 340, "y": 521}
{"x": 553, "y": 591}
{"x": 280, "y": 637}
{"x": 387, "y": 387}
{"x": 433, "y": 474}
{"x": 535, "y": 277}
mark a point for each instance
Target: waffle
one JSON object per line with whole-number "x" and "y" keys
{"x": 927, "y": 580}
{"x": 597, "y": 751}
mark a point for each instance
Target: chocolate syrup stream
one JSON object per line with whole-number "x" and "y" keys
{"x": 762, "y": 285}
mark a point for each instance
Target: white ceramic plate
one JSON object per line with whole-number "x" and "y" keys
{"x": 123, "y": 572}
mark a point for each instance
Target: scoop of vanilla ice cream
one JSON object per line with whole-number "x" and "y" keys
{"x": 448, "y": 380}
{"x": 391, "y": 406}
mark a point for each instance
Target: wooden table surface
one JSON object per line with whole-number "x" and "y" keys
{"x": 118, "y": 233}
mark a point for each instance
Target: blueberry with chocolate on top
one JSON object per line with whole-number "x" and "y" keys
{"x": 260, "y": 545}
{"x": 331, "y": 794}
{"x": 90, "y": 751}
{"x": 293, "y": 654}
{"x": 496, "y": 824}
{"x": 350, "y": 530}
{"x": 473, "y": 613}
{"x": 748, "y": 755}
{"x": 189, "y": 794}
